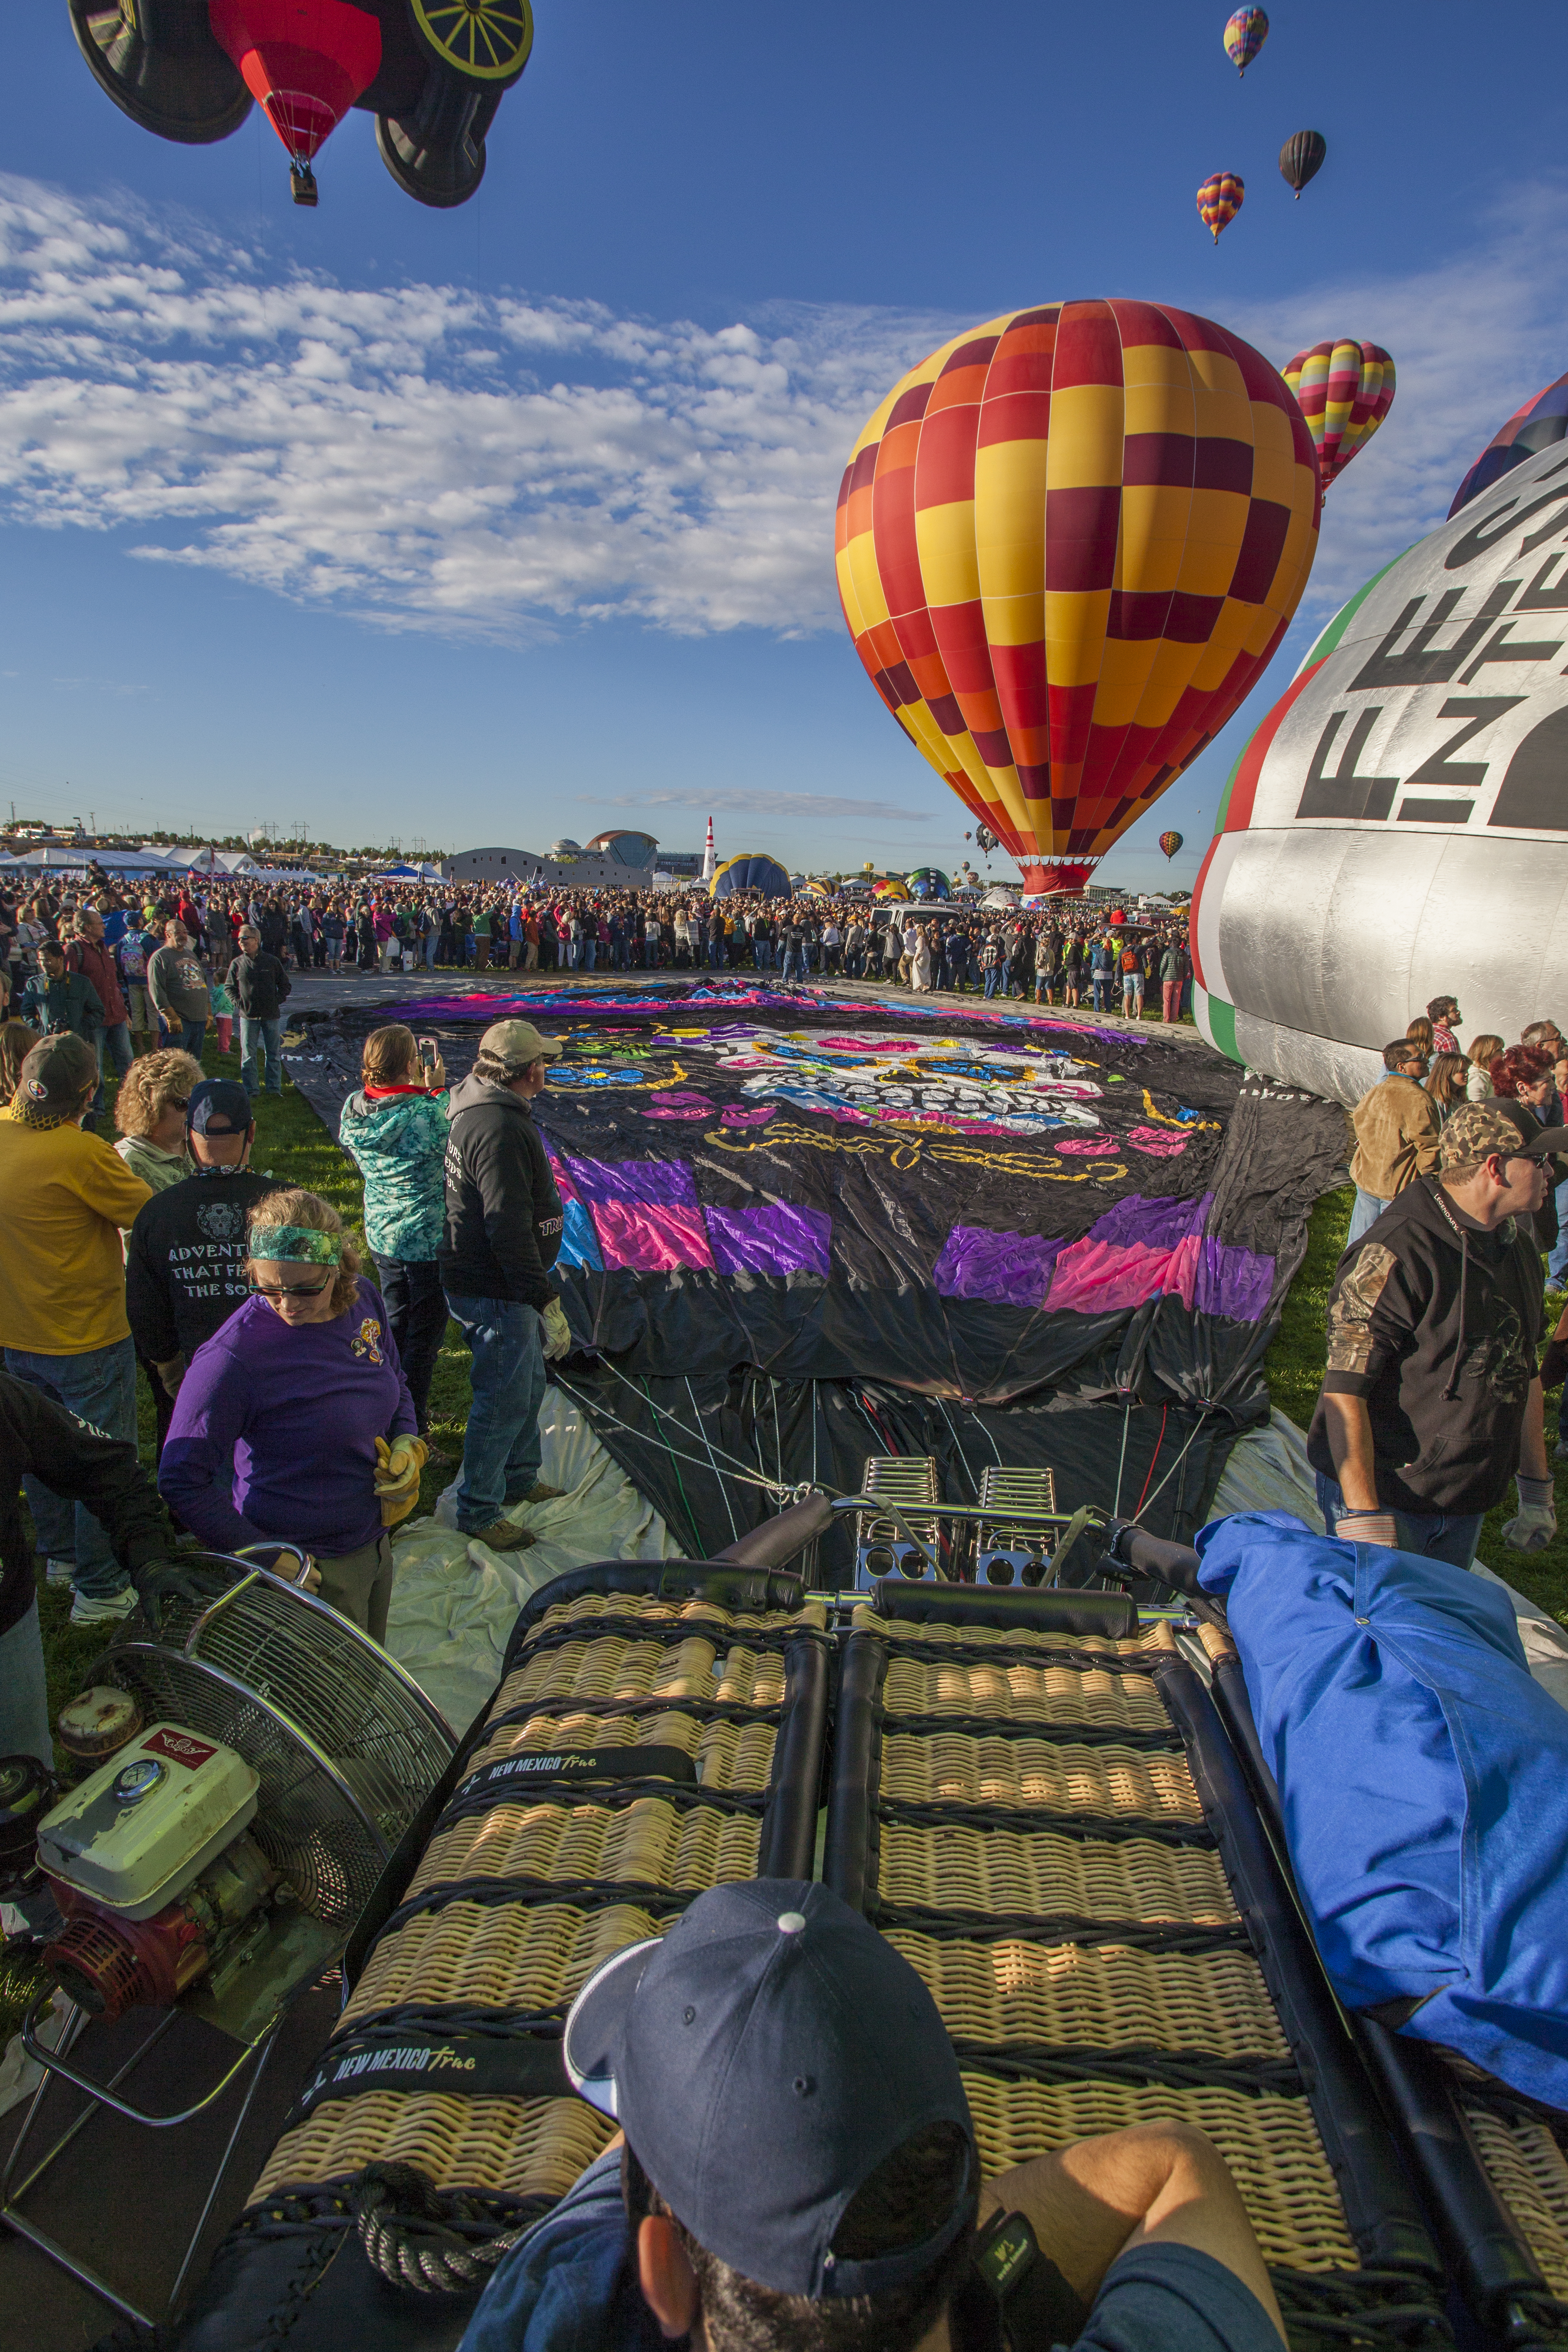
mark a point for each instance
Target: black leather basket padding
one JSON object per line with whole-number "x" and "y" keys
{"x": 1112, "y": 1615}
{"x": 314, "y": 2292}
{"x": 751, "y": 1590}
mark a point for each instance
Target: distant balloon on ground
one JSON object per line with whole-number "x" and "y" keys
{"x": 1067, "y": 544}
{"x": 1220, "y": 199}
{"x": 1302, "y": 159}
{"x": 1346, "y": 391}
{"x": 1244, "y": 35}
{"x": 751, "y": 872}
{"x": 929, "y": 882}
{"x": 1536, "y": 425}
{"x": 889, "y": 888}
{"x": 1170, "y": 842}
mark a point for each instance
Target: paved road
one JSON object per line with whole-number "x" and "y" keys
{"x": 315, "y": 991}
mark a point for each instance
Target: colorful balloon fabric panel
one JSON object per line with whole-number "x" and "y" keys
{"x": 1537, "y": 425}
{"x": 1069, "y": 543}
{"x": 1346, "y": 391}
{"x": 1220, "y": 199}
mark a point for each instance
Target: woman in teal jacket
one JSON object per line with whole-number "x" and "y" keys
{"x": 395, "y": 1130}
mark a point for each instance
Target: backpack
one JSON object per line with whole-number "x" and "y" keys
{"x": 1129, "y": 959}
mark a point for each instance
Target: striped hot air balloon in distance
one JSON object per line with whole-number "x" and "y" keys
{"x": 1067, "y": 544}
{"x": 1245, "y": 34}
{"x": 1170, "y": 842}
{"x": 1345, "y": 390}
{"x": 1220, "y": 199}
{"x": 1302, "y": 159}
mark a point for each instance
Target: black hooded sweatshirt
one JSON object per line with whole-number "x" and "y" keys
{"x": 1436, "y": 1324}
{"x": 40, "y": 1438}
{"x": 503, "y": 1212}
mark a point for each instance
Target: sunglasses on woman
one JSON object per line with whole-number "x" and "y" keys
{"x": 292, "y": 1289}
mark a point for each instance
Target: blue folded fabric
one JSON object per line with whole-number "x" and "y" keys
{"x": 1423, "y": 1777}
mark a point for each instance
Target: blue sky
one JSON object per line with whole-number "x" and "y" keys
{"x": 516, "y": 520}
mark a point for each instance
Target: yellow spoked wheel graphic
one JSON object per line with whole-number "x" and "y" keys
{"x": 483, "y": 40}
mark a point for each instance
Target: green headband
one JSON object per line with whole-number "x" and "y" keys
{"x": 299, "y": 1244}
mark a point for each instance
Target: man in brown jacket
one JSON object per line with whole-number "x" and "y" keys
{"x": 1396, "y": 1130}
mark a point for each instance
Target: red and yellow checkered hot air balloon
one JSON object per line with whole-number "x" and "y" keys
{"x": 1067, "y": 544}
{"x": 1345, "y": 390}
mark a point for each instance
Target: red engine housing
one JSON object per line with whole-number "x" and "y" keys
{"x": 109, "y": 1964}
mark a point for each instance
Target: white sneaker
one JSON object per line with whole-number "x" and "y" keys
{"x": 60, "y": 1571}
{"x": 90, "y": 1609}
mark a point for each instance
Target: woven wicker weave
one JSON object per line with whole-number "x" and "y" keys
{"x": 1116, "y": 1783}
{"x": 522, "y": 2147}
{"x": 615, "y": 1667}
{"x": 1530, "y": 2175}
{"x": 1064, "y": 1695}
{"x": 646, "y": 1843}
{"x": 1154, "y": 1638}
{"x": 501, "y": 1955}
{"x": 649, "y": 1609}
{"x": 1271, "y": 2146}
{"x": 1096, "y": 1994}
{"x": 727, "y": 1755}
{"x": 1003, "y": 1871}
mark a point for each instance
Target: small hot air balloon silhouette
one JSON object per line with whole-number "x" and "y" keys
{"x": 1244, "y": 35}
{"x": 1302, "y": 159}
{"x": 1220, "y": 199}
{"x": 1346, "y": 391}
{"x": 1170, "y": 842}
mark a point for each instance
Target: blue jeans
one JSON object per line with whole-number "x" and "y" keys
{"x": 993, "y": 978}
{"x": 117, "y": 1037}
{"x": 1557, "y": 1263}
{"x": 501, "y": 1448}
{"x": 1436, "y": 1534}
{"x": 100, "y": 1387}
{"x": 268, "y": 1034}
{"x": 190, "y": 1036}
{"x": 789, "y": 968}
{"x": 430, "y": 951}
{"x": 1368, "y": 1208}
{"x": 1100, "y": 982}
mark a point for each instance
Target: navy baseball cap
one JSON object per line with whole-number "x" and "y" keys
{"x": 763, "y": 2058}
{"x": 223, "y": 1098}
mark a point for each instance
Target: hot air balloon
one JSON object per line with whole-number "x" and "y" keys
{"x": 1220, "y": 199}
{"x": 751, "y": 872}
{"x": 1302, "y": 159}
{"x": 1536, "y": 425}
{"x": 1170, "y": 842}
{"x": 1067, "y": 543}
{"x": 431, "y": 71}
{"x": 889, "y": 887}
{"x": 1345, "y": 390}
{"x": 929, "y": 882}
{"x": 1245, "y": 34}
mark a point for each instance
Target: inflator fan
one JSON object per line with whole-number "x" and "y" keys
{"x": 222, "y": 1856}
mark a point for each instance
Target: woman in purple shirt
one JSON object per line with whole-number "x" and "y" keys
{"x": 294, "y": 1422}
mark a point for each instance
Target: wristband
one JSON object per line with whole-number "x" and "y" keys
{"x": 1534, "y": 1494}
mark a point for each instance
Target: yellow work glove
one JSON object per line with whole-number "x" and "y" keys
{"x": 557, "y": 1331}
{"x": 397, "y": 1468}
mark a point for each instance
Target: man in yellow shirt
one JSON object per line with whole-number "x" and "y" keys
{"x": 62, "y": 1294}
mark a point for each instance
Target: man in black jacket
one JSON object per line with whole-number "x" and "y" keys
{"x": 502, "y": 1235}
{"x": 258, "y": 984}
{"x": 1431, "y": 1401}
{"x": 40, "y": 1439}
{"x": 186, "y": 1271}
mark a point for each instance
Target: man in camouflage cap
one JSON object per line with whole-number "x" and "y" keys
{"x": 1431, "y": 1401}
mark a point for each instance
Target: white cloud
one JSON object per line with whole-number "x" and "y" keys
{"x": 419, "y": 453}
{"x": 739, "y": 800}
{"x": 430, "y": 458}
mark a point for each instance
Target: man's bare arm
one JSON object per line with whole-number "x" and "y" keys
{"x": 1349, "y": 1427}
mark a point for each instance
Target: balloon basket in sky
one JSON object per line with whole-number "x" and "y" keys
{"x": 432, "y": 72}
{"x": 1069, "y": 543}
